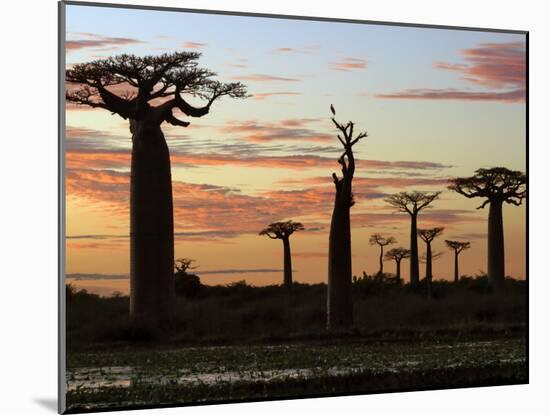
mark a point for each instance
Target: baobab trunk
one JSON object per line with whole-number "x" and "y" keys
{"x": 495, "y": 246}
{"x": 429, "y": 268}
{"x": 152, "y": 292}
{"x": 287, "y": 263}
{"x": 398, "y": 270}
{"x": 414, "y": 271}
{"x": 339, "y": 304}
{"x": 456, "y": 266}
{"x": 381, "y": 263}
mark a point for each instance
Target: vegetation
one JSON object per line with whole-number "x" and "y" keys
{"x": 339, "y": 304}
{"x": 283, "y": 230}
{"x": 497, "y": 186}
{"x": 158, "y": 84}
{"x": 457, "y": 247}
{"x": 412, "y": 203}
{"x": 381, "y": 241}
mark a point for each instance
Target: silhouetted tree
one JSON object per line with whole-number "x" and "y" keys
{"x": 412, "y": 203}
{"x": 497, "y": 185}
{"x": 381, "y": 241}
{"x": 339, "y": 304}
{"x": 187, "y": 284}
{"x": 397, "y": 254}
{"x": 155, "y": 88}
{"x": 428, "y": 235}
{"x": 457, "y": 247}
{"x": 283, "y": 230}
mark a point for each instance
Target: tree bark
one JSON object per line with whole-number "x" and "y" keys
{"x": 287, "y": 263}
{"x": 429, "y": 268}
{"x": 413, "y": 262}
{"x": 152, "y": 293}
{"x": 456, "y": 266}
{"x": 339, "y": 302}
{"x": 380, "y": 261}
{"x": 398, "y": 270}
{"x": 495, "y": 248}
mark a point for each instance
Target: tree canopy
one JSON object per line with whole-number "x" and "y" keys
{"x": 397, "y": 254}
{"x": 377, "y": 239}
{"x": 497, "y": 184}
{"x": 428, "y": 235}
{"x": 162, "y": 80}
{"x": 411, "y": 202}
{"x": 282, "y": 230}
{"x": 457, "y": 246}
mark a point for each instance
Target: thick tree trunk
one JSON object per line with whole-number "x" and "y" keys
{"x": 152, "y": 293}
{"x": 287, "y": 264}
{"x": 398, "y": 270}
{"x": 429, "y": 268}
{"x": 380, "y": 261}
{"x": 339, "y": 302}
{"x": 456, "y": 266}
{"x": 413, "y": 262}
{"x": 495, "y": 249}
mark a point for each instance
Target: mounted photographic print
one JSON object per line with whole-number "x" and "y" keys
{"x": 260, "y": 207}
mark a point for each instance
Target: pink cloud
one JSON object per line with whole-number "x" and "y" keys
{"x": 455, "y": 94}
{"x": 348, "y": 64}
{"x": 264, "y": 78}
{"x": 264, "y": 95}
{"x": 96, "y": 41}
{"x": 194, "y": 45}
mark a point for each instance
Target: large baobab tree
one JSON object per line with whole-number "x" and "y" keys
{"x": 412, "y": 203}
{"x": 339, "y": 303}
{"x": 457, "y": 247}
{"x": 283, "y": 230}
{"x": 497, "y": 186}
{"x": 156, "y": 87}
{"x": 397, "y": 255}
{"x": 381, "y": 241}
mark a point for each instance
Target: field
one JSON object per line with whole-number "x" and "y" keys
{"x": 264, "y": 343}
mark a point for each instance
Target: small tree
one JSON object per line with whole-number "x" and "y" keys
{"x": 497, "y": 186}
{"x": 187, "y": 284}
{"x": 428, "y": 235}
{"x": 412, "y": 203}
{"x": 381, "y": 241}
{"x": 397, "y": 255}
{"x": 457, "y": 247}
{"x": 339, "y": 304}
{"x": 283, "y": 230}
{"x": 156, "y": 87}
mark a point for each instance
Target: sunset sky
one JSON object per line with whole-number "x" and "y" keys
{"x": 436, "y": 104}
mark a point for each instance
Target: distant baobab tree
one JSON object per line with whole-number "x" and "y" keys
{"x": 159, "y": 84}
{"x": 339, "y": 303}
{"x": 283, "y": 230}
{"x": 428, "y": 235}
{"x": 412, "y": 203}
{"x": 457, "y": 247}
{"x": 497, "y": 185}
{"x": 381, "y": 241}
{"x": 397, "y": 255}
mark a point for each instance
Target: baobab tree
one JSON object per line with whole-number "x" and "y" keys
{"x": 381, "y": 241}
{"x": 339, "y": 303}
{"x": 397, "y": 255}
{"x": 457, "y": 247}
{"x": 497, "y": 186}
{"x": 412, "y": 203}
{"x": 283, "y": 230}
{"x": 156, "y": 86}
{"x": 428, "y": 235}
